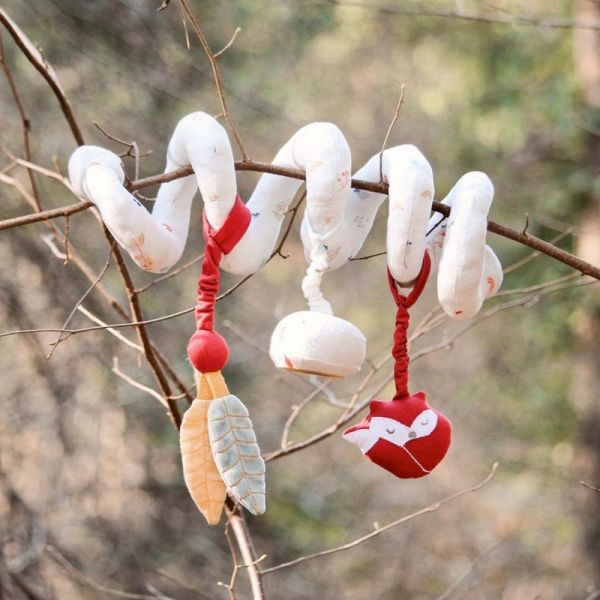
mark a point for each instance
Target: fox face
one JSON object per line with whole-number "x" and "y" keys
{"x": 404, "y": 436}
{"x": 365, "y": 436}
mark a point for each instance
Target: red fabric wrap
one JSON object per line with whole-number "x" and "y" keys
{"x": 400, "y": 348}
{"x": 207, "y": 350}
{"x": 218, "y": 242}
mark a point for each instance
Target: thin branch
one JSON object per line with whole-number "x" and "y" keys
{"x": 472, "y": 569}
{"x": 119, "y": 336}
{"x": 57, "y": 175}
{"x": 379, "y": 530}
{"x": 520, "y": 20}
{"x": 34, "y": 56}
{"x": 136, "y": 384}
{"x": 389, "y": 131}
{"x": 132, "y": 147}
{"x": 170, "y": 274}
{"x": 235, "y": 519}
{"x": 527, "y": 259}
{"x": 539, "y": 286}
{"x": 296, "y": 410}
{"x": 136, "y": 311}
{"x": 523, "y": 302}
{"x": 368, "y": 256}
{"x": 228, "y": 44}
{"x": 216, "y": 75}
{"x": 45, "y": 215}
{"x": 350, "y": 412}
{"x": 590, "y": 487}
{"x": 80, "y": 302}
{"x": 25, "y": 122}
{"x": 83, "y": 578}
{"x": 18, "y": 186}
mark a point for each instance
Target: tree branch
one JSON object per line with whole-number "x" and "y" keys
{"x": 520, "y": 20}
{"x": 379, "y": 530}
{"x": 584, "y": 267}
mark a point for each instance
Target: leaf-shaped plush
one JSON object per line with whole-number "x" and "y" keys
{"x": 236, "y": 452}
{"x": 199, "y": 469}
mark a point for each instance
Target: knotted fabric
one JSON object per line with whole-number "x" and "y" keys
{"x": 400, "y": 348}
{"x": 207, "y": 350}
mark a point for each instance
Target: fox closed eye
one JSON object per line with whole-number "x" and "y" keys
{"x": 390, "y": 432}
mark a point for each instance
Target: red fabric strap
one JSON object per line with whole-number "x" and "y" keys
{"x": 400, "y": 348}
{"x": 219, "y": 242}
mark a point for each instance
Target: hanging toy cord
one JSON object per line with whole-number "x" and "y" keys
{"x": 400, "y": 349}
{"x": 207, "y": 350}
{"x": 311, "y": 284}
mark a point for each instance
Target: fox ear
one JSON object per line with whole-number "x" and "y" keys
{"x": 421, "y": 396}
{"x": 375, "y": 406}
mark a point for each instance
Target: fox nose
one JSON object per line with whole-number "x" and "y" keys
{"x": 412, "y": 434}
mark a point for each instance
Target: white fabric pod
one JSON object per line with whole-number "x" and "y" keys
{"x": 313, "y": 342}
{"x": 468, "y": 269}
{"x": 321, "y": 151}
{"x": 156, "y": 240}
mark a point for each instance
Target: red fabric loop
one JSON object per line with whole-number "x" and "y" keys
{"x": 207, "y": 350}
{"x": 218, "y": 243}
{"x": 400, "y": 348}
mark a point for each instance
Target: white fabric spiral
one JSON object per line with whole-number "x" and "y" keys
{"x": 335, "y": 225}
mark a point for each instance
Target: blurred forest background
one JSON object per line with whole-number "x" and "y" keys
{"x": 92, "y": 500}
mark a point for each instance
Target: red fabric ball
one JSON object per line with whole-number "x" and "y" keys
{"x": 405, "y": 436}
{"x": 208, "y": 351}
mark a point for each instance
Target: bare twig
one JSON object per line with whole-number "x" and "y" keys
{"x": 132, "y": 147}
{"x": 83, "y": 578}
{"x": 25, "y": 122}
{"x": 170, "y": 274}
{"x": 79, "y": 302}
{"x": 216, "y": 75}
{"x": 144, "y": 339}
{"x": 538, "y": 286}
{"x": 527, "y": 302}
{"x": 472, "y": 568}
{"x": 368, "y": 256}
{"x": 379, "y": 530}
{"x": 119, "y": 336}
{"x": 590, "y": 487}
{"x": 354, "y": 407}
{"x": 527, "y": 259}
{"x": 47, "y": 72}
{"x": 389, "y": 131}
{"x": 236, "y": 521}
{"x": 136, "y": 384}
{"x": 229, "y": 43}
{"x": 520, "y": 20}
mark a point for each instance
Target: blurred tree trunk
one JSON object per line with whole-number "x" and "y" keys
{"x": 587, "y": 371}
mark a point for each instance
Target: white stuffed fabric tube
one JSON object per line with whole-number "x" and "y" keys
{"x": 156, "y": 240}
{"x": 411, "y": 191}
{"x": 321, "y": 151}
{"x": 468, "y": 270}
